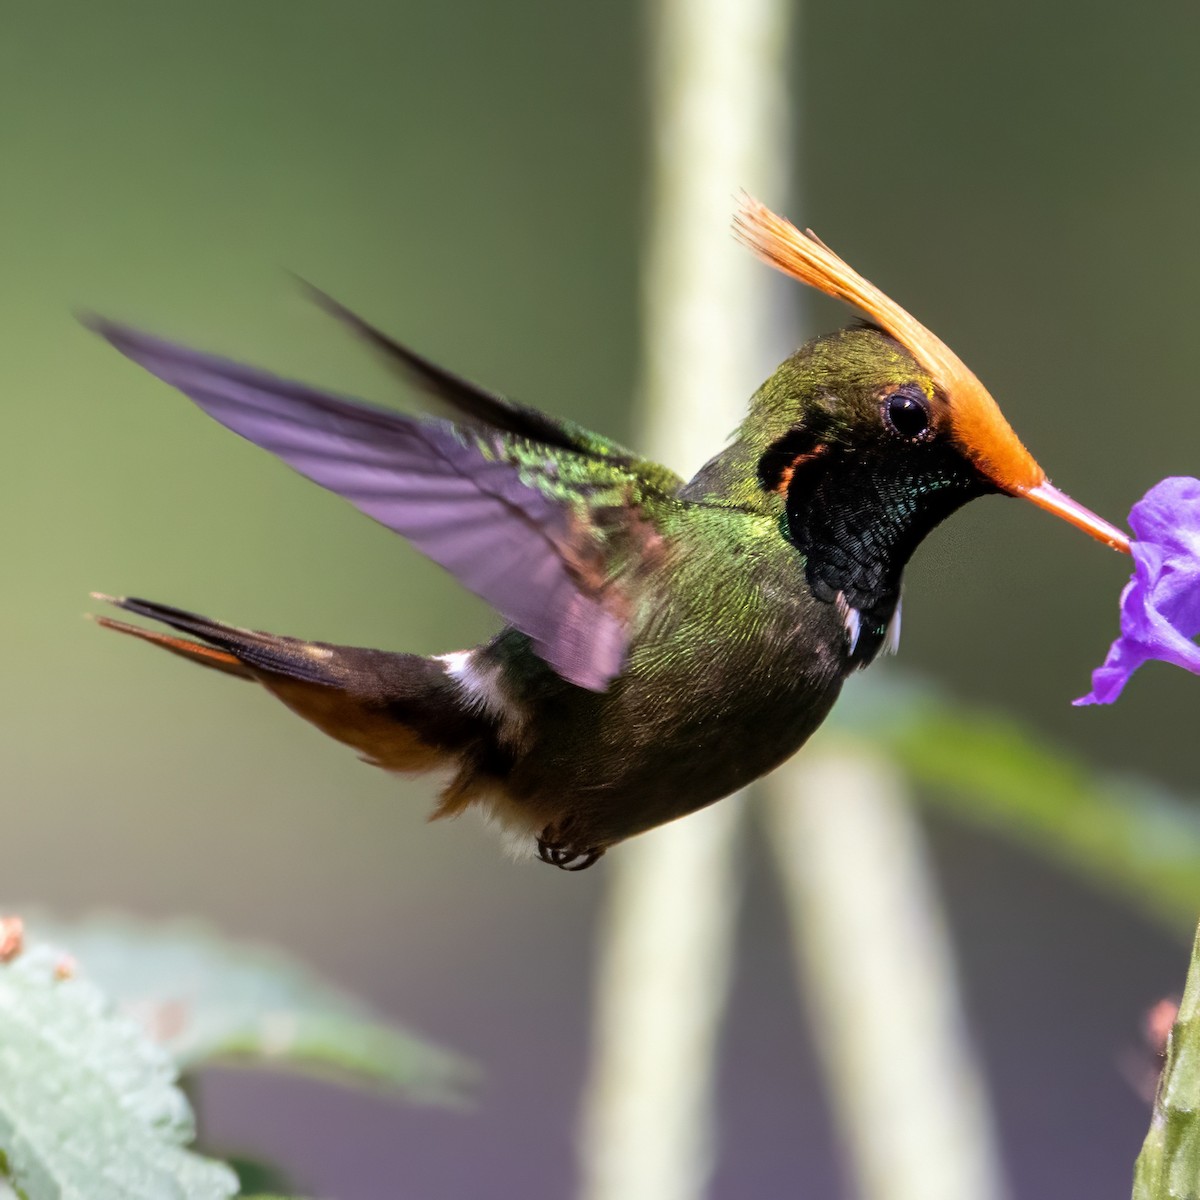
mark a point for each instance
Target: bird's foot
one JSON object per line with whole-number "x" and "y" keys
{"x": 553, "y": 850}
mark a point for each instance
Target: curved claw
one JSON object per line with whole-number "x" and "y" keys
{"x": 565, "y": 857}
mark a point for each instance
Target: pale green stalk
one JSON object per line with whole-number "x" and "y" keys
{"x": 1168, "y": 1167}
{"x": 666, "y": 945}
{"x": 648, "y": 1129}
{"x": 874, "y": 960}
{"x": 905, "y": 1084}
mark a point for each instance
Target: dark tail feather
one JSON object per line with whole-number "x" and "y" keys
{"x": 206, "y": 656}
{"x": 400, "y": 711}
{"x": 268, "y": 652}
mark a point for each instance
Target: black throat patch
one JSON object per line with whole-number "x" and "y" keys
{"x": 858, "y": 519}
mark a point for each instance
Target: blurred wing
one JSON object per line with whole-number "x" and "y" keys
{"x": 468, "y": 401}
{"x": 537, "y": 533}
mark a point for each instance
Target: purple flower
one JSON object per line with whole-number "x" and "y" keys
{"x": 1160, "y": 606}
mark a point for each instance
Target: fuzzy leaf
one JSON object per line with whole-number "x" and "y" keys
{"x": 89, "y": 1107}
{"x": 205, "y": 999}
{"x": 1168, "y": 1167}
{"x": 1122, "y": 834}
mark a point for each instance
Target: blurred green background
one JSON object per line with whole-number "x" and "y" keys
{"x": 471, "y": 176}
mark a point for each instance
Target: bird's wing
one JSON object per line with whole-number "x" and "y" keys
{"x": 477, "y": 405}
{"x": 544, "y": 535}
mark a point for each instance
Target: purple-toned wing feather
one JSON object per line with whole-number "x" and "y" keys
{"x": 443, "y": 488}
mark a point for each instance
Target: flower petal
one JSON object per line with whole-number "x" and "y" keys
{"x": 1160, "y": 606}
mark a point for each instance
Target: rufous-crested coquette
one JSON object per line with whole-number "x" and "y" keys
{"x": 666, "y": 641}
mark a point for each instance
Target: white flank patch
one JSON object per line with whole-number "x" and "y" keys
{"x": 891, "y": 640}
{"x": 456, "y": 662}
{"x": 850, "y": 619}
{"x": 483, "y": 690}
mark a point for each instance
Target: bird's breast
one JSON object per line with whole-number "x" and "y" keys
{"x": 732, "y": 665}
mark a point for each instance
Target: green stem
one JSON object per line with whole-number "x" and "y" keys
{"x": 1168, "y": 1167}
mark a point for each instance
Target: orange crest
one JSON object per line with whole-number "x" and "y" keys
{"x": 977, "y": 424}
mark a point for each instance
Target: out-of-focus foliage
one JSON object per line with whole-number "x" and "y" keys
{"x": 1168, "y": 1167}
{"x": 94, "y": 1040}
{"x": 89, "y": 1106}
{"x": 1128, "y": 836}
{"x": 205, "y": 999}
{"x": 256, "y": 1178}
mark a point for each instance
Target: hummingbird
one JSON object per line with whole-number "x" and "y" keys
{"x": 666, "y": 641}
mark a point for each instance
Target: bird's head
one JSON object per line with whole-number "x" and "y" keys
{"x": 888, "y": 410}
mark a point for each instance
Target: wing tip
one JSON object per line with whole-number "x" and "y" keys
{"x": 319, "y": 296}
{"x": 125, "y": 339}
{"x": 99, "y": 324}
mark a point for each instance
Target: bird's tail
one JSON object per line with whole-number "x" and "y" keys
{"x": 401, "y": 712}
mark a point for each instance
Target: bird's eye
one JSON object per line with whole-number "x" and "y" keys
{"x": 908, "y": 415}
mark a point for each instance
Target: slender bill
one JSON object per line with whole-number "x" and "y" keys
{"x": 1046, "y": 495}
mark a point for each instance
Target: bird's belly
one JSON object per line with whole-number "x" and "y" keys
{"x": 674, "y": 734}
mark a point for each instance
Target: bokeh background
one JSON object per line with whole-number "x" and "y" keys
{"x": 471, "y": 175}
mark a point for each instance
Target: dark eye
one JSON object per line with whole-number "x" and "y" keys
{"x": 908, "y": 415}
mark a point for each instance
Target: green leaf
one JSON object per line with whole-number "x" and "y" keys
{"x": 1168, "y": 1167}
{"x": 1123, "y": 835}
{"x": 206, "y": 999}
{"x": 7, "y": 1191}
{"x": 256, "y": 1178}
{"x": 89, "y": 1107}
